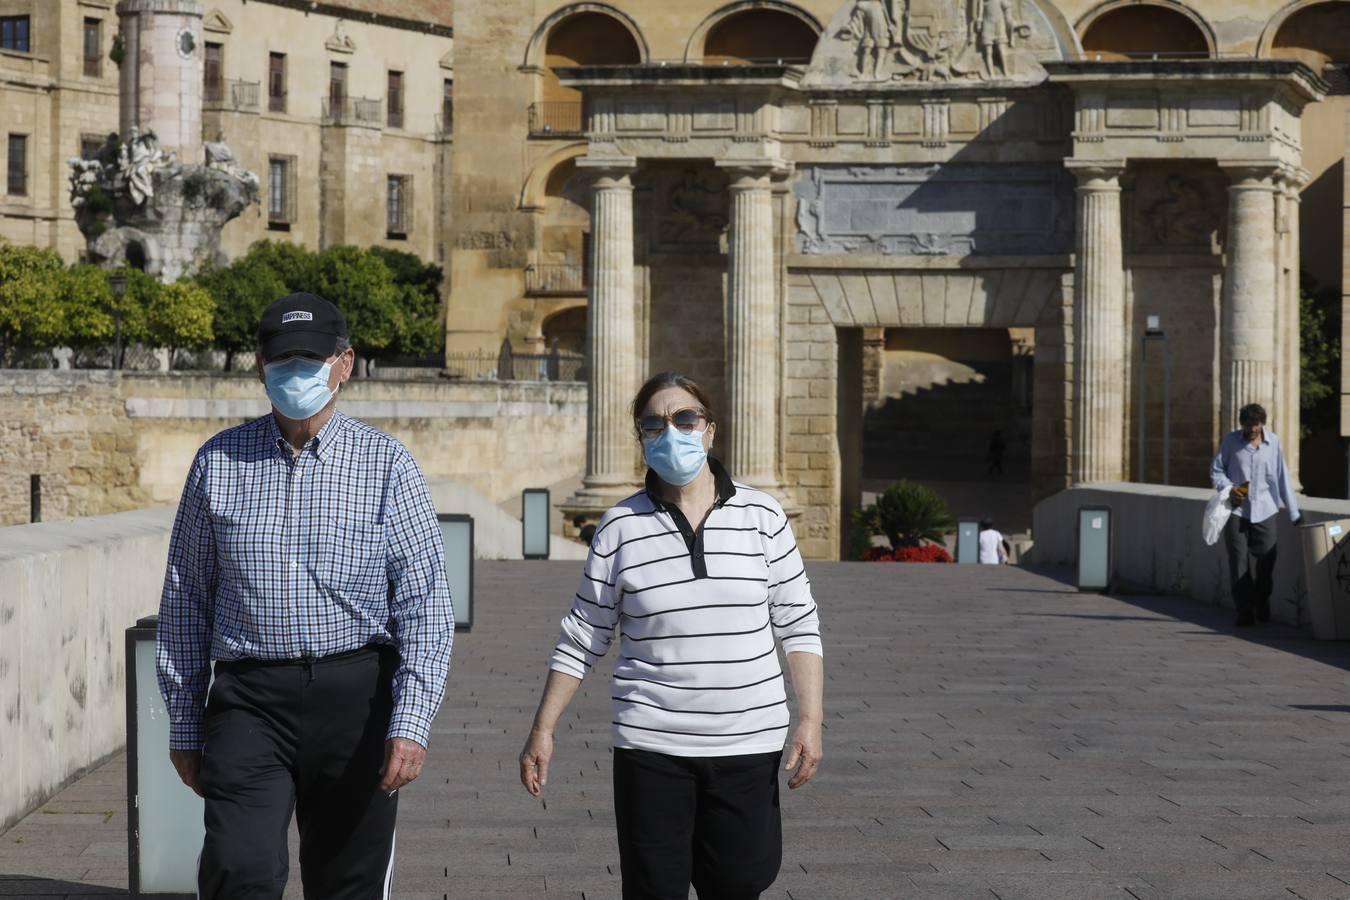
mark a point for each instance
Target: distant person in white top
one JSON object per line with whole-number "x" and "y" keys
{"x": 696, "y": 575}
{"x": 993, "y": 548}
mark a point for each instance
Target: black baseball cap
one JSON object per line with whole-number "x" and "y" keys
{"x": 300, "y": 322}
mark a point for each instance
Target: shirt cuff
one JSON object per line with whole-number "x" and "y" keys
{"x": 407, "y": 727}
{"x": 567, "y": 662}
{"x": 806, "y": 643}
{"x": 186, "y": 736}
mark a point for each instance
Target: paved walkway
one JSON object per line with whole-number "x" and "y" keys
{"x": 991, "y": 733}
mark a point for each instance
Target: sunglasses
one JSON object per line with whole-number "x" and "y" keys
{"x": 687, "y": 421}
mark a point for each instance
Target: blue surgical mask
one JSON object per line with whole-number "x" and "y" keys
{"x": 676, "y": 457}
{"x": 298, "y": 387}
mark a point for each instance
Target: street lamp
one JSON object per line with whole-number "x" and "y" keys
{"x": 1153, "y": 331}
{"x": 117, "y": 283}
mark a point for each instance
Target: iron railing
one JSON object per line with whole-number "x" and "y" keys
{"x": 507, "y": 365}
{"x": 556, "y": 118}
{"x": 276, "y": 102}
{"x": 353, "y": 111}
{"x": 231, "y": 95}
{"x": 445, "y": 122}
{"x": 554, "y": 279}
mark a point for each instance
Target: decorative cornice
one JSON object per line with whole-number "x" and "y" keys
{"x": 355, "y": 15}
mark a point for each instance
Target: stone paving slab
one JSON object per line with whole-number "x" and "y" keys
{"x": 990, "y": 733}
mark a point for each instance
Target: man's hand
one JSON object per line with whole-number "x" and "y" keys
{"x": 403, "y": 761}
{"x": 806, "y": 753}
{"x": 188, "y": 763}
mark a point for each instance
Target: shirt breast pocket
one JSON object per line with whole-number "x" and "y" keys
{"x": 355, "y": 554}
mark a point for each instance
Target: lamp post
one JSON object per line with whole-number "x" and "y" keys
{"x": 117, "y": 283}
{"x": 1153, "y": 331}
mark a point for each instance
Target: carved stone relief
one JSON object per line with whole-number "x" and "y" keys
{"x": 922, "y": 43}
{"x": 690, "y": 210}
{"x": 937, "y": 210}
{"x": 1176, "y": 210}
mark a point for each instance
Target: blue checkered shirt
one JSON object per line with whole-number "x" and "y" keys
{"x": 276, "y": 556}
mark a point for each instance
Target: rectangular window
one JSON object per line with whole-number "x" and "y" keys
{"x": 281, "y": 173}
{"x": 93, "y": 48}
{"x": 214, "y": 70}
{"x": 276, "y": 82}
{"x": 337, "y": 87}
{"x": 395, "y": 119}
{"x": 17, "y": 182}
{"x": 14, "y": 32}
{"x": 398, "y": 210}
{"x": 448, "y": 107}
{"x": 90, "y": 144}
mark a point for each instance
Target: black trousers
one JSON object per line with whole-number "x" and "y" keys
{"x": 710, "y": 821}
{"x": 1251, "y": 563}
{"x": 306, "y": 737}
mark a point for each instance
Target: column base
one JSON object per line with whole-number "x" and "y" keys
{"x": 593, "y": 501}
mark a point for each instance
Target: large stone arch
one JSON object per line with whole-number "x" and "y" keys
{"x": 932, "y": 298}
{"x": 1101, "y": 10}
{"x": 1266, "y": 45}
{"x": 693, "y": 50}
{"x": 536, "y": 183}
{"x": 534, "y": 50}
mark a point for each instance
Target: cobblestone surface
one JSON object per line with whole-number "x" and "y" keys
{"x": 991, "y": 733}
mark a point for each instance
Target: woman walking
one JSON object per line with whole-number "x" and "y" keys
{"x": 695, "y": 575}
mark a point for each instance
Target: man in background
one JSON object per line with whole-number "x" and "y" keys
{"x": 1251, "y": 462}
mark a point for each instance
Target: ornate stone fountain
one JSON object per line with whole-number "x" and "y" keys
{"x": 155, "y": 197}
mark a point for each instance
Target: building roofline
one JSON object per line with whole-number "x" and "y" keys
{"x": 352, "y": 14}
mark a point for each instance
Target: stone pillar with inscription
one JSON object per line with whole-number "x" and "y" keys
{"x": 1098, "y": 328}
{"x": 752, "y": 331}
{"x": 611, "y": 342}
{"x": 161, "y": 73}
{"x": 1289, "y": 376}
{"x": 1248, "y": 350}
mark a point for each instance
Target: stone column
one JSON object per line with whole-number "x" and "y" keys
{"x": 1098, "y": 328}
{"x": 752, "y": 332}
{"x": 611, "y": 341}
{"x": 1288, "y": 377}
{"x": 161, "y": 74}
{"x": 1248, "y": 348}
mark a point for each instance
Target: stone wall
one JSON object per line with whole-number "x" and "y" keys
{"x": 106, "y": 442}
{"x": 1157, "y": 546}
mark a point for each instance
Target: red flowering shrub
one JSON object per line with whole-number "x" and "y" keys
{"x": 877, "y": 554}
{"x": 925, "y": 553}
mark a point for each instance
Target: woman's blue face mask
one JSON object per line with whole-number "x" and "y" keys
{"x": 676, "y": 457}
{"x": 298, "y": 387}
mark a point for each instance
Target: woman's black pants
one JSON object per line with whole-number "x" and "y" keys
{"x": 712, "y": 821}
{"x": 306, "y": 737}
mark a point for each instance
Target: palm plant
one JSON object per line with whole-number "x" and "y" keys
{"x": 908, "y": 514}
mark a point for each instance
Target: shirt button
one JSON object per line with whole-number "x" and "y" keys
{"x": 294, "y": 564}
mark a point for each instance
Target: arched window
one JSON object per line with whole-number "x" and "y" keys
{"x": 1145, "y": 31}
{"x": 586, "y": 39}
{"x": 760, "y": 35}
{"x": 1318, "y": 35}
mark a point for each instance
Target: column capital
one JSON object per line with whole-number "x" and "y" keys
{"x": 1255, "y": 175}
{"x": 609, "y": 171}
{"x": 753, "y": 173}
{"x": 1097, "y": 174}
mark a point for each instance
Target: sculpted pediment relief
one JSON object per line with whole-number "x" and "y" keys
{"x": 928, "y": 43}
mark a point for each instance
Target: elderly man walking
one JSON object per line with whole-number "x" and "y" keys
{"x": 1251, "y": 462}
{"x": 306, "y": 562}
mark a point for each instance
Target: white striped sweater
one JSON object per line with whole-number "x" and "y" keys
{"x": 696, "y": 614}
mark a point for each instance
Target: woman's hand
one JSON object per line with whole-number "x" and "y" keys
{"x": 534, "y": 761}
{"x": 805, "y": 752}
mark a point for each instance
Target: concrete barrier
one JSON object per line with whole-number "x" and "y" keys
{"x": 70, "y": 591}
{"x": 1157, "y": 546}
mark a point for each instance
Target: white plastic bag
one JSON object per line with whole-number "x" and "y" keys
{"x": 1217, "y": 512}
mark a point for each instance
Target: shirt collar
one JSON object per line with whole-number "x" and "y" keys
{"x": 1265, "y": 437}
{"x": 324, "y": 443}
{"x": 726, "y": 488}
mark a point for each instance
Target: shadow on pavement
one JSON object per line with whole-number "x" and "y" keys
{"x": 29, "y": 886}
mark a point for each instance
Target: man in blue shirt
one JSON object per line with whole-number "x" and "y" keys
{"x": 306, "y": 562}
{"x": 1251, "y": 462}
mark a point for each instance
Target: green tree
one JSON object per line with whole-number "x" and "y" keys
{"x": 1319, "y": 357}
{"x": 30, "y": 314}
{"x": 240, "y": 292}
{"x": 908, "y": 514}
{"x": 179, "y": 317}
{"x": 362, "y": 287}
{"x": 422, "y": 332}
{"x": 88, "y": 304}
{"x": 295, "y": 266}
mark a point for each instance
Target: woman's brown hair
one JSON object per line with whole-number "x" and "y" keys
{"x": 663, "y": 380}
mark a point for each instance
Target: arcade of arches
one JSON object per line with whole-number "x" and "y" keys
{"x": 931, "y": 251}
